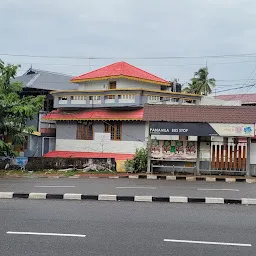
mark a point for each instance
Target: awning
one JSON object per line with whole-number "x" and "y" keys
{"x": 201, "y": 129}
{"x": 73, "y": 154}
{"x": 96, "y": 114}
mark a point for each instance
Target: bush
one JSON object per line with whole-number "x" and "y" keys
{"x": 139, "y": 162}
{"x": 129, "y": 165}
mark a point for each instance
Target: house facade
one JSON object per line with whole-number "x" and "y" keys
{"x": 40, "y": 82}
{"x": 104, "y": 116}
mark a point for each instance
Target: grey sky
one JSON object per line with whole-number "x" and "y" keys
{"x": 133, "y": 28}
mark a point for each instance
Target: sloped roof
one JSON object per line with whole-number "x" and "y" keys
{"x": 41, "y": 79}
{"x": 74, "y": 154}
{"x": 120, "y": 70}
{"x": 245, "y": 98}
{"x": 200, "y": 114}
{"x": 95, "y": 114}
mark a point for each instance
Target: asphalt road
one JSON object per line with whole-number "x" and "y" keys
{"x": 114, "y": 229}
{"x": 130, "y": 187}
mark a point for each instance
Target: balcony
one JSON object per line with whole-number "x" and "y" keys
{"x": 118, "y": 98}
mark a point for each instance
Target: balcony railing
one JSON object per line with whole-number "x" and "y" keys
{"x": 109, "y": 101}
{"x": 78, "y": 101}
{"x": 63, "y": 102}
{"x": 118, "y": 99}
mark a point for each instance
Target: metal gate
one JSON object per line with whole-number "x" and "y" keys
{"x": 228, "y": 157}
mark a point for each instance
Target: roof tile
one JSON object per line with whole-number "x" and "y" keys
{"x": 95, "y": 114}
{"x": 202, "y": 114}
{"x": 120, "y": 69}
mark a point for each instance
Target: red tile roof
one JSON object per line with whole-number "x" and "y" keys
{"x": 68, "y": 154}
{"x": 120, "y": 70}
{"x": 95, "y": 114}
{"x": 246, "y": 98}
{"x": 200, "y": 114}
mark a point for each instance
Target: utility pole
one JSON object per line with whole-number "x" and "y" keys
{"x": 148, "y": 135}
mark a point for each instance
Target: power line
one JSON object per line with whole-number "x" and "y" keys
{"x": 131, "y": 58}
{"x": 142, "y": 65}
{"x": 236, "y": 88}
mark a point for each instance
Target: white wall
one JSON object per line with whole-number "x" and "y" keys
{"x": 120, "y": 84}
{"x": 253, "y": 153}
{"x": 94, "y": 85}
{"x": 213, "y": 101}
{"x": 126, "y": 83}
{"x": 124, "y": 147}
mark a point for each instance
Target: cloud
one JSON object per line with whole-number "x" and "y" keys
{"x": 131, "y": 28}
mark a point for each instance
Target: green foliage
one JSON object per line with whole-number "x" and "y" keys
{"x": 14, "y": 110}
{"x": 200, "y": 84}
{"x": 129, "y": 165}
{"x": 139, "y": 162}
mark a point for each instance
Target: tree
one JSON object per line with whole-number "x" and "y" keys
{"x": 14, "y": 110}
{"x": 200, "y": 84}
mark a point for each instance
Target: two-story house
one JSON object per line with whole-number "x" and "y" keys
{"x": 40, "y": 82}
{"x": 103, "y": 118}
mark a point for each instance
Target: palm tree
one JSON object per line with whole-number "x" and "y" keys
{"x": 201, "y": 84}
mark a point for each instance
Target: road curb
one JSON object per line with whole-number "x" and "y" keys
{"x": 150, "y": 177}
{"x": 116, "y": 198}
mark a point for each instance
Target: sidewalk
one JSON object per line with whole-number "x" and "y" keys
{"x": 209, "y": 178}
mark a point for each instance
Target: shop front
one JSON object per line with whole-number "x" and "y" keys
{"x": 196, "y": 147}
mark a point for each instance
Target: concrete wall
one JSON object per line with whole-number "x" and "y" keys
{"x": 253, "y": 152}
{"x": 133, "y": 136}
{"x": 125, "y": 147}
{"x": 120, "y": 84}
{"x": 133, "y": 131}
{"x": 213, "y": 101}
{"x": 66, "y": 130}
{"x": 94, "y": 85}
{"x": 126, "y": 83}
{"x": 34, "y": 146}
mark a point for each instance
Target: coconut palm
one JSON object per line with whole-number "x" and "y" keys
{"x": 201, "y": 84}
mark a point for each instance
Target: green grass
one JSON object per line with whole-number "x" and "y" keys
{"x": 50, "y": 172}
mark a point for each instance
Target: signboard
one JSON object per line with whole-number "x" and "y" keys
{"x": 234, "y": 130}
{"x": 21, "y": 161}
{"x": 183, "y": 129}
{"x": 201, "y": 129}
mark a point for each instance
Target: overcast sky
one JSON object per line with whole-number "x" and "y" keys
{"x": 123, "y": 29}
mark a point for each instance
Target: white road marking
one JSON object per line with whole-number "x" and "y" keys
{"x": 216, "y": 189}
{"x": 43, "y": 234}
{"x": 55, "y": 186}
{"x": 205, "y": 242}
{"x": 138, "y": 187}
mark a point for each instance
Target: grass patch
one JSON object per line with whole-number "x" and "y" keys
{"x": 50, "y": 172}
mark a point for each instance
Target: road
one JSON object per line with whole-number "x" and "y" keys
{"x": 130, "y": 187}
{"x": 114, "y": 228}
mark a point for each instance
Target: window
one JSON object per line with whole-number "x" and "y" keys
{"x": 110, "y": 97}
{"x": 78, "y": 97}
{"x": 127, "y": 97}
{"x": 94, "y": 97}
{"x": 63, "y": 98}
{"x": 112, "y": 85}
{"x": 115, "y": 128}
{"x": 154, "y": 98}
{"x": 84, "y": 131}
